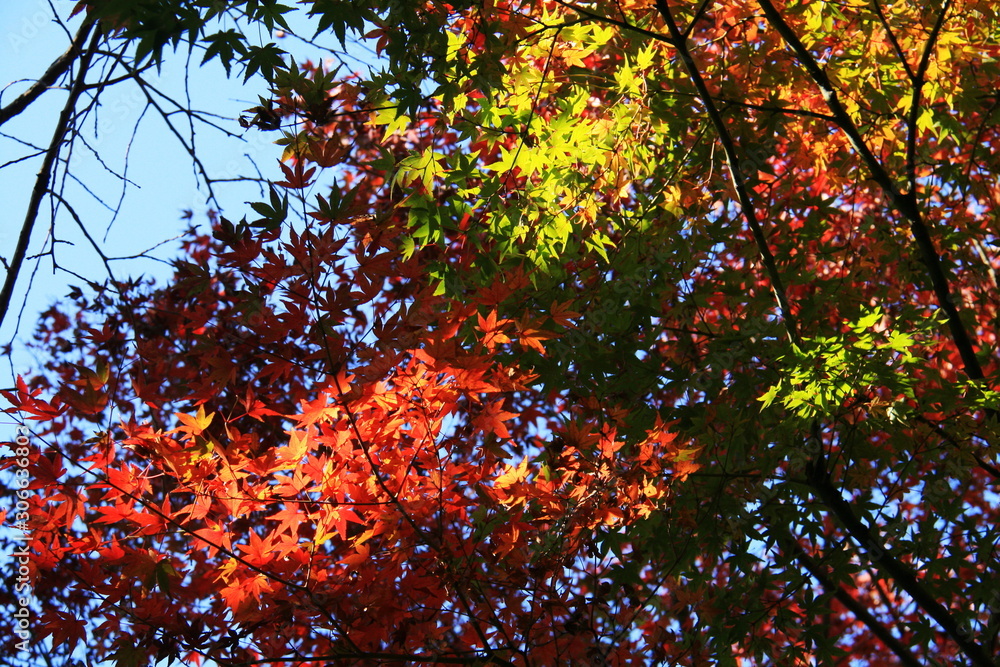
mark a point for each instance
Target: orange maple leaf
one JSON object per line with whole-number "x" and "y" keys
{"x": 492, "y": 418}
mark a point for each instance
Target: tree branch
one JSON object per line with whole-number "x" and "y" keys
{"x": 904, "y": 203}
{"x": 45, "y": 173}
{"x": 918, "y": 84}
{"x": 892, "y": 38}
{"x": 905, "y": 578}
{"x": 732, "y": 161}
{"x": 58, "y": 67}
{"x": 819, "y": 573}
{"x": 625, "y": 25}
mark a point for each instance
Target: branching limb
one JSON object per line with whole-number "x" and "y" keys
{"x": 625, "y": 25}
{"x": 83, "y": 228}
{"x": 41, "y": 186}
{"x": 698, "y": 14}
{"x": 904, "y": 203}
{"x": 821, "y": 575}
{"x": 876, "y": 4}
{"x": 732, "y": 161}
{"x": 905, "y": 578}
{"x": 58, "y": 67}
{"x": 918, "y": 83}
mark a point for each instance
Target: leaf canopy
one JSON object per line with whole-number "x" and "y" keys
{"x": 628, "y": 333}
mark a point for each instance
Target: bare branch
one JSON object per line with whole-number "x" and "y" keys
{"x": 41, "y": 186}
{"x": 58, "y": 67}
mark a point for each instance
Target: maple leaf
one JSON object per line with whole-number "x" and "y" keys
{"x": 114, "y": 514}
{"x": 258, "y": 551}
{"x": 506, "y": 484}
{"x": 532, "y": 339}
{"x": 212, "y": 539}
{"x": 289, "y": 519}
{"x": 64, "y": 628}
{"x": 492, "y": 417}
{"x": 297, "y": 177}
{"x": 26, "y": 401}
{"x": 491, "y": 327}
{"x": 326, "y": 153}
{"x": 562, "y": 315}
{"x": 195, "y": 425}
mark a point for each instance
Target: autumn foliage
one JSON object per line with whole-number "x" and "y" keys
{"x": 582, "y": 334}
